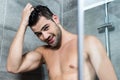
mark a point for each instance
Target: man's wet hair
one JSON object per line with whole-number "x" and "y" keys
{"x": 37, "y": 13}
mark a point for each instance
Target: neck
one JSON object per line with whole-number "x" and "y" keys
{"x": 66, "y": 36}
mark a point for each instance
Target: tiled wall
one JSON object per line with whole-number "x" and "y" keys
{"x": 10, "y": 15}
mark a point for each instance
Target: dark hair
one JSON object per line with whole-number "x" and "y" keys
{"x": 37, "y": 13}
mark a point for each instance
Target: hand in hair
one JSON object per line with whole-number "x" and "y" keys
{"x": 26, "y": 13}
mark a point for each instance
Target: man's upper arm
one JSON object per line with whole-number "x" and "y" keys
{"x": 31, "y": 61}
{"x": 99, "y": 59}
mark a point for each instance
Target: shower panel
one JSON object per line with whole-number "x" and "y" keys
{"x": 80, "y": 39}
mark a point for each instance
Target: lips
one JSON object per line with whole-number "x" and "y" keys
{"x": 50, "y": 40}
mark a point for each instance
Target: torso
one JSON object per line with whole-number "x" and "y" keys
{"x": 62, "y": 63}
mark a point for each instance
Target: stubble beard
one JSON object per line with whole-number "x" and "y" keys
{"x": 58, "y": 38}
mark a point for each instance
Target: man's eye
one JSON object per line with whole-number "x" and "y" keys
{"x": 46, "y": 28}
{"x": 38, "y": 34}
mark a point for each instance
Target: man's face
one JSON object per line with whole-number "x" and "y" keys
{"x": 48, "y": 31}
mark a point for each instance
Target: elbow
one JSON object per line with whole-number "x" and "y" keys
{"x": 10, "y": 70}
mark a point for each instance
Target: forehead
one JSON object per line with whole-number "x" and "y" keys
{"x": 41, "y": 22}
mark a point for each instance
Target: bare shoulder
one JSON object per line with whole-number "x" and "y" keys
{"x": 93, "y": 45}
{"x": 40, "y": 49}
{"x": 92, "y": 40}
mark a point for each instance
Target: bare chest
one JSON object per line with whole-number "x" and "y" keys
{"x": 63, "y": 61}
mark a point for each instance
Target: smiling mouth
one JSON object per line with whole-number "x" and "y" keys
{"x": 50, "y": 40}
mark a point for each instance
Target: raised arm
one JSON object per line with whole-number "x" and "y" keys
{"x": 16, "y": 62}
{"x": 100, "y": 60}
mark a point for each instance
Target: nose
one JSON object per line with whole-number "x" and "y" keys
{"x": 44, "y": 36}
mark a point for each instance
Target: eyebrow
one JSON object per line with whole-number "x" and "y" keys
{"x": 41, "y": 29}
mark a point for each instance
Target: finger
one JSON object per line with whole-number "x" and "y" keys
{"x": 28, "y": 6}
{"x": 32, "y": 9}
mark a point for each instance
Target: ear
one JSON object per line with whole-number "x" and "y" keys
{"x": 56, "y": 19}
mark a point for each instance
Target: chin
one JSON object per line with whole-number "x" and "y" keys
{"x": 55, "y": 46}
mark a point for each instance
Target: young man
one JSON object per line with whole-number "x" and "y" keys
{"x": 60, "y": 53}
